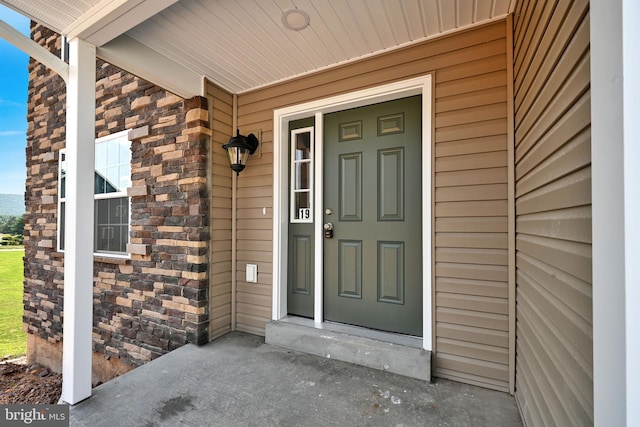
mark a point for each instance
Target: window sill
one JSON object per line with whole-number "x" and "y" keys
{"x": 111, "y": 260}
{"x": 99, "y": 258}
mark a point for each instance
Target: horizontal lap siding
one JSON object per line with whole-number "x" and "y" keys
{"x": 554, "y": 357}
{"x": 255, "y": 220}
{"x": 471, "y": 241}
{"x": 221, "y": 113}
{"x": 470, "y": 192}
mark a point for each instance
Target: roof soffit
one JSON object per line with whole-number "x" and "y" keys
{"x": 244, "y": 45}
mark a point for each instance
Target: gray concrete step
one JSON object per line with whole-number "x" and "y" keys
{"x": 398, "y": 354}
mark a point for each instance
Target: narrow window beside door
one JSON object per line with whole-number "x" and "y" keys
{"x": 302, "y": 175}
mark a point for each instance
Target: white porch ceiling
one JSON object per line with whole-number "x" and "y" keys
{"x": 242, "y": 45}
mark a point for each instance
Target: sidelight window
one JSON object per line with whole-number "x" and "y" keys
{"x": 302, "y": 175}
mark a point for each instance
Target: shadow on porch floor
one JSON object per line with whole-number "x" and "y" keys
{"x": 238, "y": 380}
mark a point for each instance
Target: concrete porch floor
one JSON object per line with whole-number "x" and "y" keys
{"x": 238, "y": 380}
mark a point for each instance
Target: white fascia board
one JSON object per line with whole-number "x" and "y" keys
{"x": 112, "y": 18}
{"x": 136, "y": 58}
{"x": 34, "y": 50}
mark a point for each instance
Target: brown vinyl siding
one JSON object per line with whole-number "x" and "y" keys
{"x": 554, "y": 362}
{"x": 255, "y": 189}
{"x": 471, "y": 224}
{"x": 221, "y": 114}
{"x": 470, "y": 192}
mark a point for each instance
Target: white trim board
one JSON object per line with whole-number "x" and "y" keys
{"x": 615, "y": 106}
{"x": 34, "y": 50}
{"x": 281, "y": 118}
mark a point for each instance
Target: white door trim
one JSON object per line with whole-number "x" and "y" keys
{"x": 281, "y": 118}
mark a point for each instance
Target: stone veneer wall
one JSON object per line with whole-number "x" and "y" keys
{"x": 156, "y": 301}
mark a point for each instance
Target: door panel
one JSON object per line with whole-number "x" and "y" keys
{"x": 391, "y": 272}
{"x": 350, "y": 269}
{"x": 372, "y": 181}
{"x": 300, "y": 274}
{"x": 391, "y": 184}
{"x": 350, "y": 187}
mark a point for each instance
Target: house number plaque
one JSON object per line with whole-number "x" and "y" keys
{"x": 304, "y": 213}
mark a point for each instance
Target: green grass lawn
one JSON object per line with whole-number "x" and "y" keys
{"x": 12, "y": 340}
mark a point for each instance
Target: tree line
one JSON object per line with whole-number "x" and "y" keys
{"x": 12, "y": 230}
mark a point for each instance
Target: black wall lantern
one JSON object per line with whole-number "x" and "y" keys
{"x": 238, "y": 149}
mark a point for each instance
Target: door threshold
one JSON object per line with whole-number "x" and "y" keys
{"x": 359, "y": 331}
{"x": 385, "y": 351}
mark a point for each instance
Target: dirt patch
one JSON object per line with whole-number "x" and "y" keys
{"x": 20, "y": 383}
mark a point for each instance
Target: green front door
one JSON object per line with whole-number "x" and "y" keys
{"x": 373, "y": 198}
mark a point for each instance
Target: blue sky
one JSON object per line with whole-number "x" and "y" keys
{"x": 13, "y": 107}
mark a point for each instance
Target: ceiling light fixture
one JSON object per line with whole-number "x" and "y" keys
{"x": 295, "y": 19}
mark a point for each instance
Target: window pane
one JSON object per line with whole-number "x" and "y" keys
{"x": 61, "y": 234}
{"x": 113, "y": 152}
{"x": 302, "y": 200}
{"x": 99, "y": 183}
{"x": 125, "y": 151}
{"x": 303, "y": 146}
{"x": 101, "y": 211}
{"x": 303, "y": 206}
{"x": 63, "y": 175}
{"x": 101, "y": 156}
{"x": 303, "y": 176}
{"x": 124, "y": 179}
{"x": 112, "y": 225}
{"x": 112, "y": 180}
{"x": 113, "y": 166}
{"x": 124, "y": 238}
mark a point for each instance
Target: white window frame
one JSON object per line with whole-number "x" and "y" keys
{"x": 101, "y": 196}
{"x": 61, "y": 199}
{"x": 294, "y": 162}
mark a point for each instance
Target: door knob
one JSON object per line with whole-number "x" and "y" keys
{"x": 328, "y": 230}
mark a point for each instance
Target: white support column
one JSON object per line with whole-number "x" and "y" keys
{"x": 78, "y": 259}
{"x": 631, "y": 73}
{"x": 615, "y": 131}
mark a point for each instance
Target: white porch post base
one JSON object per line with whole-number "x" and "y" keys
{"x": 78, "y": 259}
